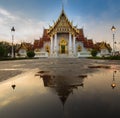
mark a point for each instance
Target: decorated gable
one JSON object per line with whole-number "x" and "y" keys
{"x": 62, "y": 25}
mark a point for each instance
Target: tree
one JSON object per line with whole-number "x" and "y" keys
{"x": 2, "y": 51}
{"x": 94, "y": 53}
{"x": 30, "y": 54}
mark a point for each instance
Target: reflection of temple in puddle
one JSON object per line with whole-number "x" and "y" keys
{"x": 63, "y": 85}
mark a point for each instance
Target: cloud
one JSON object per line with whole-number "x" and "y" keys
{"x": 26, "y": 29}
{"x": 99, "y": 29}
{"x": 6, "y": 14}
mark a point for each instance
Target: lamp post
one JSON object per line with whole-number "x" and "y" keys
{"x": 12, "y": 31}
{"x": 113, "y": 31}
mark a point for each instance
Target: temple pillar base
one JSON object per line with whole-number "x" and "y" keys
{"x": 71, "y": 54}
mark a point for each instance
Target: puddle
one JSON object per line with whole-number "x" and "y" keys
{"x": 8, "y": 69}
{"x": 60, "y": 93}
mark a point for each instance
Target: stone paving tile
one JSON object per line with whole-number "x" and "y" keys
{"x": 10, "y": 69}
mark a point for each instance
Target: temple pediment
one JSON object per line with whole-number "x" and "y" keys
{"x": 63, "y": 25}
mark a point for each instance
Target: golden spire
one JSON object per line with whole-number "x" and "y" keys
{"x": 62, "y": 8}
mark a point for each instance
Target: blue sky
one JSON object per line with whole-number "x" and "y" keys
{"x": 29, "y": 17}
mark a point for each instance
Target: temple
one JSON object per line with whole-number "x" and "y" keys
{"x": 63, "y": 87}
{"x": 63, "y": 40}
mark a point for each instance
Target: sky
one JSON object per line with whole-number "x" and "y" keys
{"x": 30, "y": 17}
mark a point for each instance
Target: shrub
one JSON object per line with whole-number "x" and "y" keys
{"x": 94, "y": 53}
{"x": 30, "y": 54}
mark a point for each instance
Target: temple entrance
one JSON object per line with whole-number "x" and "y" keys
{"x": 63, "y": 49}
{"x": 63, "y": 46}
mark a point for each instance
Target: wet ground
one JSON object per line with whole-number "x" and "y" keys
{"x": 59, "y": 88}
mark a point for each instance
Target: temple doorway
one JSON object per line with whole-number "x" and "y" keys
{"x": 62, "y": 49}
{"x": 63, "y": 46}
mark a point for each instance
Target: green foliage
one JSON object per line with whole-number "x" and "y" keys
{"x": 113, "y": 58}
{"x": 30, "y": 54}
{"x": 106, "y": 58}
{"x": 94, "y": 53}
{"x": 2, "y": 51}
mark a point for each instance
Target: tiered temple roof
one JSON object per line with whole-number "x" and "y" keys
{"x": 26, "y": 46}
{"x": 102, "y": 45}
{"x": 63, "y": 25}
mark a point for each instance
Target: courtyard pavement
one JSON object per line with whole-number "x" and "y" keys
{"x": 9, "y": 69}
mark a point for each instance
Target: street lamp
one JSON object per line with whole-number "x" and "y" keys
{"x": 12, "y": 31}
{"x": 113, "y": 31}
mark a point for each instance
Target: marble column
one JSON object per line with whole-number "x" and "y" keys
{"x": 74, "y": 46}
{"x": 51, "y": 45}
{"x": 55, "y": 45}
{"x": 70, "y": 44}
